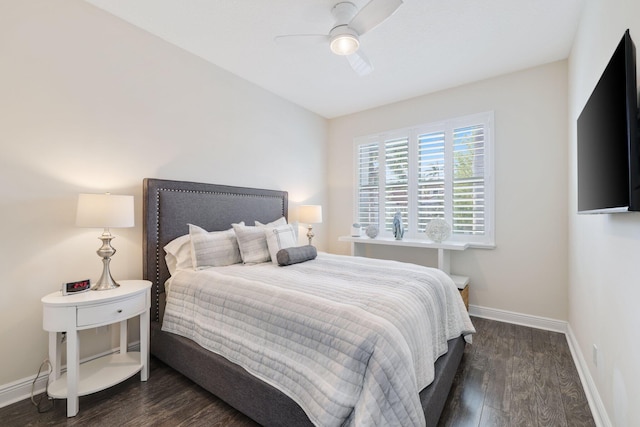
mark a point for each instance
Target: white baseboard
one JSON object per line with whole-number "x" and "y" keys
{"x": 21, "y": 389}
{"x": 593, "y": 397}
{"x": 519, "y": 319}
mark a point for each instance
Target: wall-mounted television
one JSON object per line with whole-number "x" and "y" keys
{"x": 608, "y": 160}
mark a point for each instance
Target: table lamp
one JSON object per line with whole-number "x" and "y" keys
{"x": 310, "y": 214}
{"x": 105, "y": 211}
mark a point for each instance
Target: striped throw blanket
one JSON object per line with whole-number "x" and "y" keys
{"x": 351, "y": 340}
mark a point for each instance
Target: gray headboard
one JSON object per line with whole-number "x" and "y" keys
{"x": 170, "y": 205}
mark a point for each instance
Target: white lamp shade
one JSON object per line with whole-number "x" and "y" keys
{"x": 104, "y": 211}
{"x": 310, "y": 214}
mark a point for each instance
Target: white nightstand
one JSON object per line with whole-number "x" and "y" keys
{"x": 72, "y": 313}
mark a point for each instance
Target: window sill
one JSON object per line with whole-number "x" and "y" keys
{"x": 416, "y": 243}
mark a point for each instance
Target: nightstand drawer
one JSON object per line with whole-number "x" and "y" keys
{"x": 110, "y": 312}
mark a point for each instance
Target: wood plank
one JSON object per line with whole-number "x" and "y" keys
{"x": 547, "y": 387}
{"x": 523, "y": 409}
{"x": 494, "y": 418}
{"x": 468, "y": 400}
{"x": 498, "y": 393}
{"x": 574, "y": 400}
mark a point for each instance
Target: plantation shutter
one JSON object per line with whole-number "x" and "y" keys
{"x": 431, "y": 176}
{"x": 396, "y": 189}
{"x": 469, "y": 180}
{"x": 435, "y": 170}
{"x": 368, "y": 184}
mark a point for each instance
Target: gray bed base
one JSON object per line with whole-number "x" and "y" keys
{"x": 168, "y": 207}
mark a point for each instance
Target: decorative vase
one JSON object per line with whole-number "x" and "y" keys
{"x": 372, "y": 231}
{"x": 398, "y": 230}
{"x": 438, "y": 230}
{"x": 356, "y": 229}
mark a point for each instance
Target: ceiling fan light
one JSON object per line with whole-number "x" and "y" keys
{"x": 344, "y": 44}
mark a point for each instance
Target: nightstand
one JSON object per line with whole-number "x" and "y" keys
{"x": 72, "y": 313}
{"x": 462, "y": 282}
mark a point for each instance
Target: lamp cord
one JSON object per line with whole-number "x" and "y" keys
{"x": 50, "y": 402}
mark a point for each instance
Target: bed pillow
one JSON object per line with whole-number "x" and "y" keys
{"x": 281, "y": 237}
{"x": 296, "y": 255}
{"x": 178, "y": 254}
{"x": 253, "y": 244}
{"x": 213, "y": 249}
{"x": 280, "y": 221}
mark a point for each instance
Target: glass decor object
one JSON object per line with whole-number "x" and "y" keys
{"x": 398, "y": 230}
{"x": 438, "y": 230}
{"x": 372, "y": 231}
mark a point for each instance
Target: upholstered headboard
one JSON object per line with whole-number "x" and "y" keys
{"x": 169, "y": 206}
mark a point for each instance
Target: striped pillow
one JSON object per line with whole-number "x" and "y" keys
{"x": 215, "y": 249}
{"x": 252, "y": 243}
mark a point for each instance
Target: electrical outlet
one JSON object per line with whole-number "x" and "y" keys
{"x": 595, "y": 355}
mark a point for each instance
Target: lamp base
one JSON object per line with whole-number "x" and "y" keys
{"x": 105, "y": 285}
{"x": 310, "y": 234}
{"x": 105, "y": 282}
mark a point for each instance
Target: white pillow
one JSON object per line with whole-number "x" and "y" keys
{"x": 178, "y": 254}
{"x": 281, "y": 237}
{"x": 280, "y": 221}
{"x": 214, "y": 249}
{"x": 253, "y": 244}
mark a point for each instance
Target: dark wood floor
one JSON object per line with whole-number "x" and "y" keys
{"x": 510, "y": 376}
{"x": 516, "y": 376}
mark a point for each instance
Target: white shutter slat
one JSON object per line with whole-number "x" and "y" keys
{"x": 469, "y": 183}
{"x": 396, "y": 197}
{"x": 431, "y": 175}
{"x": 368, "y": 189}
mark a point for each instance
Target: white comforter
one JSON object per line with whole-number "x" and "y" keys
{"x": 351, "y": 340}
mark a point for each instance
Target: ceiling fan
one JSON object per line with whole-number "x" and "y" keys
{"x": 350, "y": 24}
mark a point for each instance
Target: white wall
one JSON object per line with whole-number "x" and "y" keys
{"x": 527, "y": 272}
{"x": 89, "y": 103}
{"x": 604, "y": 274}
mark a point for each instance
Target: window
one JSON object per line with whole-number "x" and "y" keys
{"x": 438, "y": 170}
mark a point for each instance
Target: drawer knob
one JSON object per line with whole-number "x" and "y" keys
{"x": 120, "y": 311}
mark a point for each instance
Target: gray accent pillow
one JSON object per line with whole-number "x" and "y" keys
{"x": 296, "y": 254}
{"x": 215, "y": 249}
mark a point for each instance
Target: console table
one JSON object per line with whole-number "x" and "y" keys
{"x": 444, "y": 248}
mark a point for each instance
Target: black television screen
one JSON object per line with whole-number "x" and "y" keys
{"x": 608, "y": 163}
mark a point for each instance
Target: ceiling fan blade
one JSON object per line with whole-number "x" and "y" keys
{"x": 360, "y": 63}
{"x": 301, "y": 39}
{"x": 372, "y": 14}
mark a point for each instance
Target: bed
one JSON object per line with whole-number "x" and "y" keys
{"x": 168, "y": 207}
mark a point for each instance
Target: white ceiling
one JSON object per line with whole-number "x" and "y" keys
{"x": 426, "y": 46}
